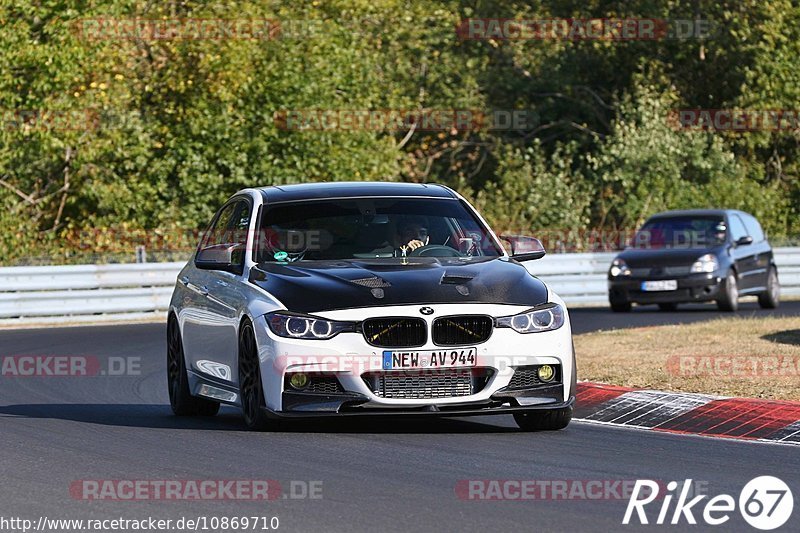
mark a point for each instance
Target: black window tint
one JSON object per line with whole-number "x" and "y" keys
{"x": 370, "y": 228}
{"x": 681, "y": 232}
{"x": 737, "y": 228}
{"x": 241, "y": 221}
{"x": 220, "y": 224}
{"x": 231, "y": 228}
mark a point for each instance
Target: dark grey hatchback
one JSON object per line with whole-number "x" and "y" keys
{"x": 695, "y": 256}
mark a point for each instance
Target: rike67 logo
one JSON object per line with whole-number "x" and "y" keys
{"x": 765, "y": 503}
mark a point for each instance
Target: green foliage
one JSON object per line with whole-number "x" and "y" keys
{"x": 535, "y": 191}
{"x": 154, "y": 134}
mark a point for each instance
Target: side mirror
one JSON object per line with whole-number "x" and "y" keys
{"x": 524, "y": 248}
{"x": 743, "y": 241}
{"x": 226, "y": 257}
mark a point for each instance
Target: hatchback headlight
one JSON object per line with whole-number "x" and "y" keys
{"x": 296, "y": 326}
{"x": 705, "y": 263}
{"x": 544, "y": 318}
{"x": 619, "y": 268}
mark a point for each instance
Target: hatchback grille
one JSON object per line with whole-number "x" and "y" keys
{"x": 395, "y": 332}
{"x": 465, "y": 329}
{"x": 526, "y": 377}
{"x": 644, "y": 272}
{"x": 425, "y": 385}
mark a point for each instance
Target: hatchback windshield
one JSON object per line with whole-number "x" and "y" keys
{"x": 681, "y": 232}
{"x": 372, "y": 228}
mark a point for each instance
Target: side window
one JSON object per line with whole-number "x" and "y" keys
{"x": 218, "y": 225}
{"x": 230, "y": 228}
{"x": 753, "y": 228}
{"x": 737, "y": 228}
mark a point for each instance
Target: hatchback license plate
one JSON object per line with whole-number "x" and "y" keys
{"x": 463, "y": 357}
{"x": 660, "y": 285}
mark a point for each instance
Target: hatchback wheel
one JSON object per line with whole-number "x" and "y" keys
{"x": 620, "y": 307}
{"x": 729, "y": 300}
{"x": 771, "y": 298}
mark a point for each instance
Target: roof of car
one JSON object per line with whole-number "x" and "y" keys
{"x": 352, "y": 189}
{"x": 697, "y": 212}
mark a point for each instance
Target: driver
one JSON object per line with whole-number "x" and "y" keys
{"x": 412, "y": 233}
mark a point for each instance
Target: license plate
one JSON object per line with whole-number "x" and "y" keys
{"x": 393, "y": 360}
{"x": 660, "y": 285}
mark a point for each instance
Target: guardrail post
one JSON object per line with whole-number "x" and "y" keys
{"x": 141, "y": 254}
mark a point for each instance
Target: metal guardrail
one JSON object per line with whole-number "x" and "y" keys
{"x": 44, "y": 294}
{"x": 85, "y": 292}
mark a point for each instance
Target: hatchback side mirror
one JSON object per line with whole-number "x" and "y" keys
{"x": 743, "y": 241}
{"x": 524, "y": 248}
{"x": 227, "y": 257}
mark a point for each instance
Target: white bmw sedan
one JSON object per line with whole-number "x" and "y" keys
{"x": 365, "y": 299}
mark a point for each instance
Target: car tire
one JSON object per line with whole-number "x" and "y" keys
{"x": 180, "y": 399}
{"x": 772, "y": 297}
{"x": 620, "y": 307}
{"x": 729, "y": 300}
{"x": 552, "y": 420}
{"x": 251, "y": 386}
{"x": 668, "y": 307}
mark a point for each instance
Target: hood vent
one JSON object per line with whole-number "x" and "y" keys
{"x": 372, "y": 283}
{"x": 455, "y": 279}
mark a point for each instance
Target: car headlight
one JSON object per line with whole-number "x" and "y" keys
{"x": 296, "y": 326}
{"x": 619, "y": 268}
{"x": 705, "y": 263}
{"x": 544, "y": 318}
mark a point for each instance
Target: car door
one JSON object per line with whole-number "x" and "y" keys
{"x": 226, "y": 296}
{"x": 211, "y": 312}
{"x": 762, "y": 252}
{"x": 744, "y": 255}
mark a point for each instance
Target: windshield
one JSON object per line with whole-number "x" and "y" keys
{"x": 681, "y": 232}
{"x": 372, "y": 228}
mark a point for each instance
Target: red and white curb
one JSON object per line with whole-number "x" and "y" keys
{"x": 694, "y": 414}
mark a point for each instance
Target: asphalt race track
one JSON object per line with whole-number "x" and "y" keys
{"x": 586, "y": 319}
{"x": 376, "y": 476}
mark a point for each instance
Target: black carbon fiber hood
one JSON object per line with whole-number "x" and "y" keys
{"x": 315, "y": 286}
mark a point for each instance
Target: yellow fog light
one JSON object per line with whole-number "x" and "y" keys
{"x": 546, "y": 373}
{"x": 298, "y": 381}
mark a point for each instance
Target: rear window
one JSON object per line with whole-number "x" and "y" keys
{"x": 681, "y": 232}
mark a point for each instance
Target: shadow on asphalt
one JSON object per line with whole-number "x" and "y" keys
{"x": 229, "y": 419}
{"x": 790, "y": 336}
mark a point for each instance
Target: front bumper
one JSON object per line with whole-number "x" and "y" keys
{"x": 350, "y": 360}
{"x": 691, "y": 288}
{"x": 316, "y": 409}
